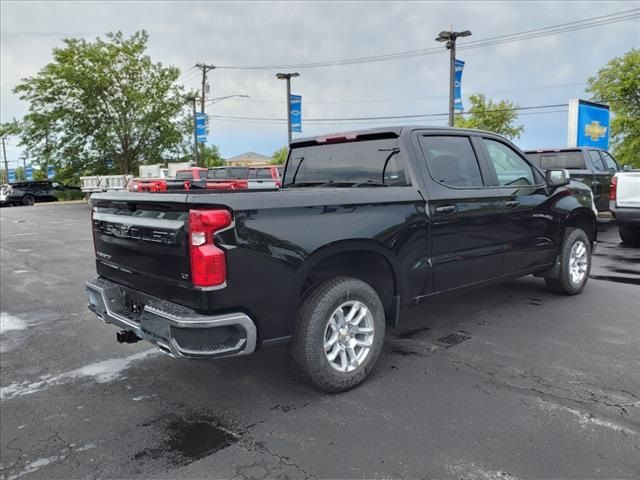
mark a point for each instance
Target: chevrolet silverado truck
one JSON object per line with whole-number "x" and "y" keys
{"x": 366, "y": 225}
{"x": 592, "y": 166}
{"x": 624, "y": 200}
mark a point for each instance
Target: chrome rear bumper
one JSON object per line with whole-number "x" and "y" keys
{"x": 176, "y": 330}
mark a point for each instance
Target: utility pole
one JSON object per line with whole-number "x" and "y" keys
{"x": 450, "y": 37}
{"x": 205, "y": 68}
{"x": 6, "y": 163}
{"x": 287, "y": 77}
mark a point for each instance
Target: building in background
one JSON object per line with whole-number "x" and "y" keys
{"x": 248, "y": 159}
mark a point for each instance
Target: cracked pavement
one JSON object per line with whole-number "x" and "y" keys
{"x": 505, "y": 382}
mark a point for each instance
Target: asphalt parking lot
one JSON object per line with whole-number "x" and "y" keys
{"x": 506, "y": 382}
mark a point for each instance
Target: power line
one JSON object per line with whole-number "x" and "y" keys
{"x": 491, "y": 41}
{"x": 389, "y": 117}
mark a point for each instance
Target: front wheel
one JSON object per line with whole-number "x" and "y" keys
{"x": 575, "y": 263}
{"x": 339, "y": 334}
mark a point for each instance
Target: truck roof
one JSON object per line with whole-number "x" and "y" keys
{"x": 564, "y": 149}
{"x": 381, "y": 132}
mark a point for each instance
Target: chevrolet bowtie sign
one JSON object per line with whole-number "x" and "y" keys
{"x": 588, "y": 124}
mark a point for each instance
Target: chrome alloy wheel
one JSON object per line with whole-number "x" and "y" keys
{"x": 348, "y": 336}
{"x": 578, "y": 262}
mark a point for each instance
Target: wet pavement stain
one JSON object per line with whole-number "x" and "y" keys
{"x": 535, "y": 301}
{"x": 399, "y": 350}
{"x": 411, "y": 333}
{"x": 624, "y": 271}
{"x": 187, "y": 440}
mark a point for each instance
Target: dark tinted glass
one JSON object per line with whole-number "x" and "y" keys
{"x": 452, "y": 161}
{"x": 552, "y": 160}
{"x": 280, "y": 171}
{"x": 264, "y": 173}
{"x": 358, "y": 162}
{"x": 229, "y": 173}
{"x": 610, "y": 162}
{"x": 510, "y": 167}
{"x": 594, "y": 155}
{"x": 184, "y": 175}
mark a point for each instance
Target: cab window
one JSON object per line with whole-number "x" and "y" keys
{"x": 510, "y": 167}
{"x": 610, "y": 163}
{"x": 594, "y": 155}
{"x": 451, "y": 160}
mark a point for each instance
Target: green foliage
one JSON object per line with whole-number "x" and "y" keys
{"x": 103, "y": 100}
{"x": 618, "y": 84}
{"x": 209, "y": 156}
{"x": 280, "y": 156}
{"x": 66, "y": 195}
{"x": 497, "y": 117}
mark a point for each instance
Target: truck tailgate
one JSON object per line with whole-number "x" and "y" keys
{"x": 142, "y": 240}
{"x": 628, "y": 194}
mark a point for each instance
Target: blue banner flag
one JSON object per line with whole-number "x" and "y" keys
{"x": 201, "y": 127}
{"x": 295, "y": 107}
{"x": 29, "y": 173}
{"x": 51, "y": 171}
{"x": 12, "y": 175}
{"x": 588, "y": 124}
{"x": 457, "y": 90}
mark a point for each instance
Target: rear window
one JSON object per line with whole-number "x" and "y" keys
{"x": 552, "y": 160}
{"x": 366, "y": 161}
{"x": 230, "y": 173}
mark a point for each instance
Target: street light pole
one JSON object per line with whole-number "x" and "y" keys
{"x": 287, "y": 77}
{"x": 450, "y": 37}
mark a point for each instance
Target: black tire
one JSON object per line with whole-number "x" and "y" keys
{"x": 629, "y": 235}
{"x": 307, "y": 350}
{"x": 28, "y": 200}
{"x": 563, "y": 283}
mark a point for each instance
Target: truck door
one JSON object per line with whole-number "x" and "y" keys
{"x": 465, "y": 212}
{"x": 601, "y": 180}
{"x": 530, "y": 234}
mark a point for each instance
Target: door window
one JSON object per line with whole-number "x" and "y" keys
{"x": 610, "y": 163}
{"x": 451, "y": 160}
{"x": 510, "y": 167}
{"x": 594, "y": 155}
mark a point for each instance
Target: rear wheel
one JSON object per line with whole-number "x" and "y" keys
{"x": 339, "y": 334}
{"x": 28, "y": 200}
{"x": 629, "y": 235}
{"x": 575, "y": 263}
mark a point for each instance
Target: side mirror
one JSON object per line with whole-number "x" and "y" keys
{"x": 557, "y": 178}
{"x": 626, "y": 168}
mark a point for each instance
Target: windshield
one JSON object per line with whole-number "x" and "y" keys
{"x": 362, "y": 162}
{"x": 228, "y": 173}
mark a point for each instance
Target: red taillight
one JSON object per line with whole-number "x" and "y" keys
{"x": 613, "y": 191}
{"x": 208, "y": 262}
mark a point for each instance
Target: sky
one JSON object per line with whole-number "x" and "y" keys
{"x": 546, "y": 70}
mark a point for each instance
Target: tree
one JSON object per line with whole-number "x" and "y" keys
{"x": 279, "y": 156}
{"x": 618, "y": 84}
{"x": 497, "y": 117}
{"x": 103, "y": 101}
{"x": 210, "y": 156}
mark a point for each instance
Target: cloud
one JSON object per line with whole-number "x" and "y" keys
{"x": 245, "y": 33}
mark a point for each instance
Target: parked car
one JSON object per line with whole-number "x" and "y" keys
{"x": 365, "y": 225}
{"x": 624, "y": 200}
{"x": 591, "y": 166}
{"x": 30, "y": 192}
{"x": 265, "y": 177}
{"x": 227, "y": 178}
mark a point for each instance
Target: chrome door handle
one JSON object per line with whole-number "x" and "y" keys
{"x": 447, "y": 209}
{"x": 512, "y": 203}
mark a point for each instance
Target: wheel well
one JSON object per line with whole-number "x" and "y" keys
{"x": 584, "y": 222}
{"x": 369, "y": 267}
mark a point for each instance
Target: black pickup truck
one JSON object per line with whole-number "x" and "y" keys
{"x": 366, "y": 224}
{"x": 592, "y": 166}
